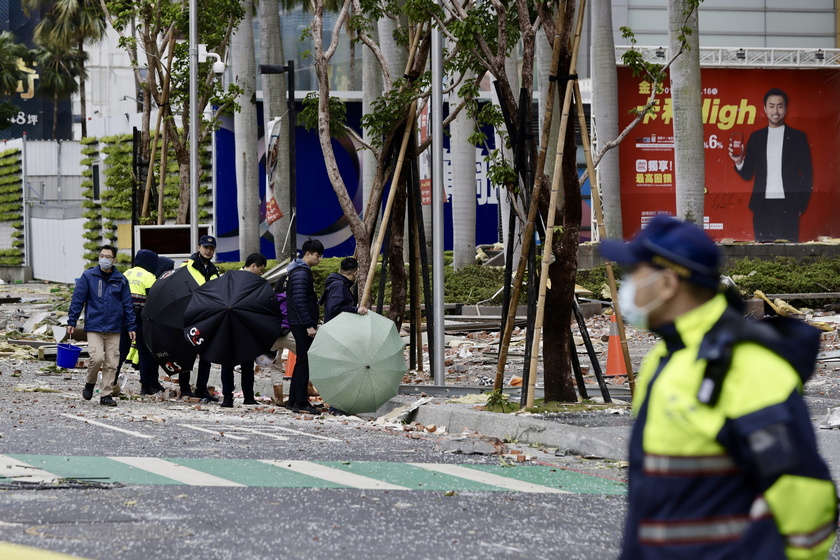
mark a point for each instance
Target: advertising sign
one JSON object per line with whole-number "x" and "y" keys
{"x": 780, "y": 181}
{"x": 36, "y": 111}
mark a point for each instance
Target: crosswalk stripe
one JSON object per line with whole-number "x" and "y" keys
{"x": 214, "y": 432}
{"x": 291, "y": 431}
{"x": 179, "y": 473}
{"x": 334, "y": 475}
{"x": 489, "y": 478}
{"x": 108, "y": 426}
{"x": 249, "y": 430}
{"x": 11, "y": 468}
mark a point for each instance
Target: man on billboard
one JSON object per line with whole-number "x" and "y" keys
{"x": 779, "y": 159}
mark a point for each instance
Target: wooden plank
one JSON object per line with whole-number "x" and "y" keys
{"x": 818, "y": 295}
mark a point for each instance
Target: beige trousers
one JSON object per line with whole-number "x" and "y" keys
{"x": 104, "y": 350}
{"x": 287, "y": 342}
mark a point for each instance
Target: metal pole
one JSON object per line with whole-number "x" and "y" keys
{"x": 193, "y": 132}
{"x": 437, "y": 361}
{"x": 27, "y": 210}
{"x": 290, "y": 72}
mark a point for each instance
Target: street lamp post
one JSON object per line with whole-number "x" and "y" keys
{"x": 193, "y": 131}
{"x": 289, "y": 70}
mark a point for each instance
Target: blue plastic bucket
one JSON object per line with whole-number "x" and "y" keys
{"x": 67, "y": 355}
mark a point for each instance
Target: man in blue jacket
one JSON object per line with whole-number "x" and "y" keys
{"x": 104, "y": 294}
{"x": 303, "y": 310}
{"x": 337, "y": 296}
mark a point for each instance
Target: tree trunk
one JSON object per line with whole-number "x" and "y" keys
{"x": 689, "y": 162}
{"x": 371, "y": 89}
{"x": 184, "y": 179}
{"x": 245, "y": 134}
{"x": 275, "y": 94}
{"x": 462, "y": 155}
{"x": 396, "y": 262}
{"x": 559, "y": 380}
{"x": 605, "y": 115}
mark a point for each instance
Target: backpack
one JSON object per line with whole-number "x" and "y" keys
{"x": 280, "y": 295}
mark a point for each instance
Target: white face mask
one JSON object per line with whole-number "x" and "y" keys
{"x": 106, "y": 263}
{"x": 632, "y": 313}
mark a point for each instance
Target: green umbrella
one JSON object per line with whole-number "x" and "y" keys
{"x": 356, "y": 362}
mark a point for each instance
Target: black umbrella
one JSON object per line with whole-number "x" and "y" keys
{"x": 233, "y": 319}
{"x": 163, "y": 320}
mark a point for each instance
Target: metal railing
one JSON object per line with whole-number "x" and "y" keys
{"x": 733, "y": 57}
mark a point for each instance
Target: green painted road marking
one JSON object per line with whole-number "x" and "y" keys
{"x": 324, "y": 474}
{"x": 558, "y": 478}
{"x": 413, "y": 477}
{"x": 93, "y": 467}
{"x": 255, "y": 473}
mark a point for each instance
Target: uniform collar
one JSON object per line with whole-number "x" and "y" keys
{"x": 689, "y": 328}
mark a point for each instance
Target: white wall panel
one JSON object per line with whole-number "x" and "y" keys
{"x": 56, "y": 250}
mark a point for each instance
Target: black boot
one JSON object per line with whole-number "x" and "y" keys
{"x": 87, "y": 392}
{"x": 227, "y": 401}
{"x": 186, "y": 392}
{"x": 205, "y": 394}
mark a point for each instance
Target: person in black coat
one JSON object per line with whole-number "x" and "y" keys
{"x": 337, "y": 297}
{"x": 256, "y": 263}
{"x": 303, "y": 313}
{"x": 779, "y": 158}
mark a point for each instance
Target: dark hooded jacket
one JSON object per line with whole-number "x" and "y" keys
{"x": 147, "y": 260}
{"x": 337, "y": 296}
{"x": 163, "y": 264}
{"x": 301, "y": 299}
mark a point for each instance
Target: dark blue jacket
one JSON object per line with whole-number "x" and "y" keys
{"x": 301, "y": 299}
{"x": 106, "y": 300}
{"x": 337, "y": 296}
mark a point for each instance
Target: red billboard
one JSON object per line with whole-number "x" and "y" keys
{"x": 781, "y": 180}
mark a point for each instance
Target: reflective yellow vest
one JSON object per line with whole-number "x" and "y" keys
{"x": 199, "y": 278}
{"x": 139, "y": 281}
{"x": 741, "y": 478}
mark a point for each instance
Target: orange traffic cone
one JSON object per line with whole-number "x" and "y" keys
{"x": 615, "y": 357}
{"x": 290, "y": 366}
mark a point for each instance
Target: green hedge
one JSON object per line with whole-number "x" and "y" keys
{"x": 11, "y": 204}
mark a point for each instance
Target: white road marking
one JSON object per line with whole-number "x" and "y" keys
{"x": 108, "y": 426}
{"x": 489, "y": 478}
{"x": 291, "y": 431}
{"x": 214, "y": 432}
{"x": 11, "y": 468}
{"x": 249, "y": 430}
{"x": 175, "y": 471}
{"x": 337, "y": 476}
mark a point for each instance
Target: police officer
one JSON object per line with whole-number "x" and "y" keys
{"x": 140, "y": 279}
{"x": 723, "y": 457}
{"x": 200, "y": 264}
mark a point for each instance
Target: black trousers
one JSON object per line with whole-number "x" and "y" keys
{"x": 202, "y": 377}
{"x": 776, "y": 219}
{"x": 147, "y": 365}
{"x": 300, "y": 378}
{"x": 247, "y": 379}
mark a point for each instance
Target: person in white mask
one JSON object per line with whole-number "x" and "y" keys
{"x": 723, "y": 457}
{"x": 105, "y": 295}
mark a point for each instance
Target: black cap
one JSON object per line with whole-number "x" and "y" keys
{"x": 667, "y": 242}
{"x": 207, "y": 240}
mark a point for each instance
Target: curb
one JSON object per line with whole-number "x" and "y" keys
{"x": 606, "y": 443}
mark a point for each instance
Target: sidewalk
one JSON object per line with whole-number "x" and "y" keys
{"x": 608, "y": 442}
